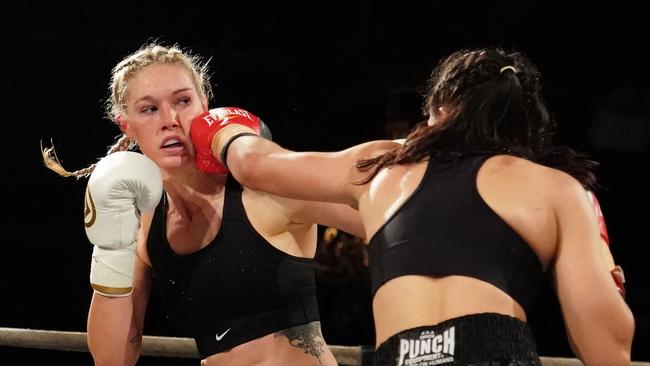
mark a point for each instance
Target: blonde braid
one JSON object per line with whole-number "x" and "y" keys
{"x": 52, "y": 161}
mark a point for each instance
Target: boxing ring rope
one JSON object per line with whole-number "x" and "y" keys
{"x": 157, "y": 346}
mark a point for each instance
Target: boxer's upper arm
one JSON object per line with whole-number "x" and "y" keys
{"x": 598, "y": 322}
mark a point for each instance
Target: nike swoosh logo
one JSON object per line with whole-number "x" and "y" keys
{"x": 218, "y": 337}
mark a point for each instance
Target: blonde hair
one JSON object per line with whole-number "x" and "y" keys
{"x": 125, "y": 70}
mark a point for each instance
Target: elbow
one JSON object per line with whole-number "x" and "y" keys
{"x": 619, "y": 351}
{"x": 114, "y": 359}
{"x": 113, "y": 354}
{"x": 612, "y": 359}
{"x": 625, "y": 336}
{"x": 625, "y": 358}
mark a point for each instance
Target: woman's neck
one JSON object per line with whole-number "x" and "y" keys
{"x": 188, "y": 193}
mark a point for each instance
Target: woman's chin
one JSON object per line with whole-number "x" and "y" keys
{"x": 175, "y": 163}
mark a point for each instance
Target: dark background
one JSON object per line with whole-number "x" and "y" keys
{"x": 323, "y": 75}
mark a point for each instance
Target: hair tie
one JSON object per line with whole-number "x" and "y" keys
{"x": 508, "y": 68}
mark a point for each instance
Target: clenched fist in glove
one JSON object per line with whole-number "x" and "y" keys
{"x": 122, "y": 186}
{"x": 205, "y": 127}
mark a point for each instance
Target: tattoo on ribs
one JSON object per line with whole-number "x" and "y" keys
{"x": 307, "y": 337}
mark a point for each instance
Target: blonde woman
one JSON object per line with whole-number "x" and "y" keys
{"x": 233, "y": 265}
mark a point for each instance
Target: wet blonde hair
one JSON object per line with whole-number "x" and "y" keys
{"x": 122, "y": 73}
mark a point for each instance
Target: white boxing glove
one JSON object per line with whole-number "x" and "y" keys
{"x": 122, "y": 186}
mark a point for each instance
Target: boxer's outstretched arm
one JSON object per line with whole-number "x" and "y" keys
{"x": 319, "y": 176}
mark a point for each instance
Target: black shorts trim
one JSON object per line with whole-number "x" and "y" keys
{"x": 477, "y": 339}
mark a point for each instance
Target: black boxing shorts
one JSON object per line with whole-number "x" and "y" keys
{"x": 486, "y": 339}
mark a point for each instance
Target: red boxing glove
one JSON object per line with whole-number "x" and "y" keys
{"x": 616, "y": 271}
{"x": 206, "y": 125}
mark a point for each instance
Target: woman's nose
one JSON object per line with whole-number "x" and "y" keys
{"x": 170, "y": 117}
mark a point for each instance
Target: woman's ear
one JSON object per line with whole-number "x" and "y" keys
{"x": 121, "y": 123}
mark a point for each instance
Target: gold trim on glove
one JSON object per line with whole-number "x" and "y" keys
{"x": 115, "y": 291}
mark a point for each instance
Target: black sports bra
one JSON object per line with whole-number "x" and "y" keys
{"x": 445, "y": 228}
{"x": 237, "y": 288}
